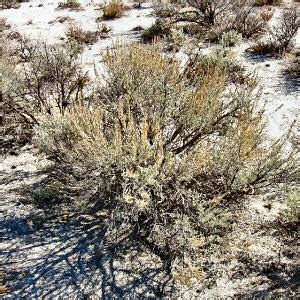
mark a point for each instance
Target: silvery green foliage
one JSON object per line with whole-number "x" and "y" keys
{"x": 167, "y": 153}
{"x": 230, "y": 38}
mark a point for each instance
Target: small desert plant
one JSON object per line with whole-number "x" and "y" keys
{"x": 70, "y": 4}
{"x": 76, "y": 33}
{"x": 104, "y": 30}
{"x": 230, "y": 38}
{"x": 158, "y": 30}
{"x": 219, "y": 59}
{"x": 291, "y": 215}
{"x": 112, "y": 10}
{"x": 265, "y": 48}
{"x": 168, "y": 158}
{"x": 176, "y": 38}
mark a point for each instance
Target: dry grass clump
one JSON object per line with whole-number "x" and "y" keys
{"x": 112, "y": 10}
{"x": 281, "y": 36}
{"x": 70, "y": 4}
{"x": 168, "y": 158}
{"x": 81, "y": 36}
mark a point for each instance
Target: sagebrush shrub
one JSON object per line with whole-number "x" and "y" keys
{"x": 284, "y": 33}
{"x": 15, "y": 126}
{"x": 223, "y": 15}
{"x": 168, "y": 158}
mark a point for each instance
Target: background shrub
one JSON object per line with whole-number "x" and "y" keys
{"x": 48, "y": 79}
{"x": 248, "y": 21}
{"x": 281, "y": 36}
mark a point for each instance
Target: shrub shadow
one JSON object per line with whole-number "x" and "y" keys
{"x": 69, "y": 256}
